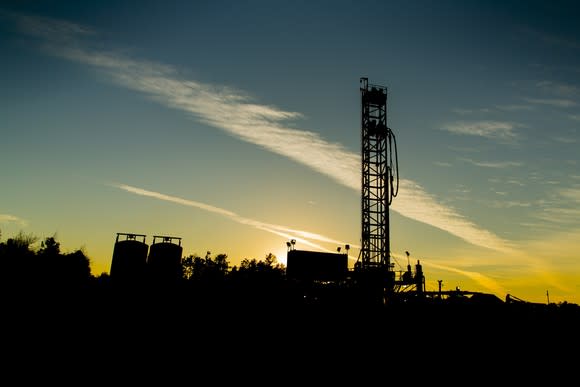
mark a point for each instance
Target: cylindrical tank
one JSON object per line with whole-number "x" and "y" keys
{"x": 129, "y": 258}
{"x": 164, "y": 261}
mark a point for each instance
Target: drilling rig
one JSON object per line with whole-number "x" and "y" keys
{"x": 373, "y": 277}
{"x": 374, "y": 271}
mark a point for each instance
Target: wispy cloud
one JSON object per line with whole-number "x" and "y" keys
{"x": 7, "y": 218}
{"x": 496, "y": 108}
{"x": 557, "y": 88}
{"x": 463, "y": 149}
{"x": 509, "y": 204}
{"x": 495, "y": 130}
{"x": 575, "y": 117}
{"x": 514, "y": 108}
{"x": 175, "y": 199}
{"x": 556, "y": 102}
{"x": 572, "y": 194}
{"x": 566, "y": 140}
{"x": 564, "y": 217}
{"x": 551, "y": 39}
{"x": 470, "y": 111}
{"x": 267, "y": 126}
{"x": 305, "y": 237}
{"x": 462, "y": 111}
{"x": 494, "y": 164}
{"x": 461, "y": 189}
{"x": 442, "y": 164}
{"x": 417, "y": 204}
{"x": 48, "y": 28}
{"x": 563, "y": 208}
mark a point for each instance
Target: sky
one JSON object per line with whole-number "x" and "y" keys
{"x": 236, "y": 127}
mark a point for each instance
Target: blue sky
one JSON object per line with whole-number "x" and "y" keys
{"x": 235, "y": 125}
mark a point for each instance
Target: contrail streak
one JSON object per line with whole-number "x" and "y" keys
{"x": 288, "y": 233}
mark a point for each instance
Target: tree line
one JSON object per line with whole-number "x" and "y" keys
{"x": 24, "y": 266}
{"x": 42, "y": 271}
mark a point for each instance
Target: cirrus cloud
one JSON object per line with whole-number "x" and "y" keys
{"x": 495, "y": 130}
{"x": 266, "y": 126}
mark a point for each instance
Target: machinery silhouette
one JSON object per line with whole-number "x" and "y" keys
{"x": 374, "y": 274}
{"x": 373, "y": 278}
{"x": 134, "y": 261}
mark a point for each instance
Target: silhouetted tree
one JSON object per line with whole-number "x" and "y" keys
{"x": 75, "y": 268}
{"x": 49, "y": 247}
{"x": 60, "y": 269}
{"x": 47, "y": 268}
{"x": 248, "y": 265}
{"x": 270, "y": 259}
{"x": 196, "y": 268}
{"x": 18, "y": 260}
{"x": 193, "y": 267}
{"x": 261, "y": 271}
{"x": 21, "y": 242}
{"x": 221, "y": 263}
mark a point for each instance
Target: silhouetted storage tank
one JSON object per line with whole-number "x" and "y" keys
{"x": 165, "y": 258}
{"x": 314, "y": 265}
{"x": 129, "y": 258}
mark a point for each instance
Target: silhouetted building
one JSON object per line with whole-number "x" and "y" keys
{"x": 314, "y": 265}
{"x": 129, "y": 258}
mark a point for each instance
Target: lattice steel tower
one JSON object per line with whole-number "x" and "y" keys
{"x": 380, "y": 177}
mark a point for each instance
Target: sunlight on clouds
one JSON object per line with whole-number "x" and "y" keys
{"x": 417, "y": 204}
{"x": 185, "y": 202}
{"x": 484, "y": 281}
{"x": 572, "y": 194}
{"x": 555, "y": 260}
{"x": 301, "y": 236}
{"x": 298, "y": 240}
{"x": 286, "y": 232}
{"x": 263, "y": 125}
